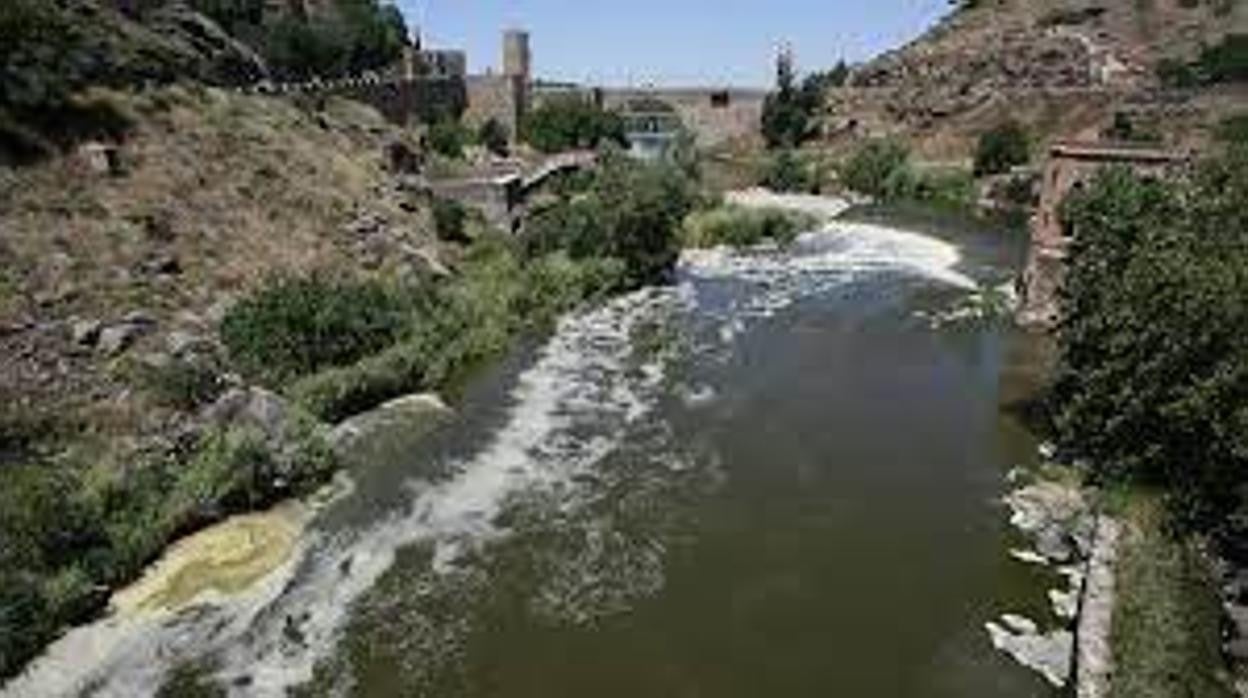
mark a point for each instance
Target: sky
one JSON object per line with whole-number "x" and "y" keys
{"x": 671, "y": 42}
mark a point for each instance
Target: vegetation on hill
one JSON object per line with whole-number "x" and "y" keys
{"x": 108, "y": 450}
{"x": 1002, "y": 148}
{"x": 352, "y": 37}
{"x": 51, "y": 51}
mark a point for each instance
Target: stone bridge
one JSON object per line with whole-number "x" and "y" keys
{"x": 501, "y": 196}
{"x": 1070, "y": 166}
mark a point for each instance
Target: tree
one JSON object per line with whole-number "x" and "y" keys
{"x": 447, "y": 137}
{"x": 1152, "y": 384}
{"x": 631, "y": 212}
{"x": 493, "y": 135}
{"x": 786, "y": 110}
{"x": 1001, "y": 148}
{"x": 357, "y": 35}
{"x": 571, "y": 122}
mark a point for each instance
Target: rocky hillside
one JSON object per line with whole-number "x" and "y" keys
{"x": 120, "y": 255}
{"x": 1064, "y": 66}
{"x": 117, "y": 262}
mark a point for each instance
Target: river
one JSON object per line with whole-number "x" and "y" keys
{"x": 779, "y": 476}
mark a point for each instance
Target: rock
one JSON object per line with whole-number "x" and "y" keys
{"x": 162, "y": 265}
{"x": 217, "y": 311}
{"x": 1238, "y": 615}
{"x": 100, "y": 159}
{"x": 85, "y": 333}
{"x": 115, "y": 339}
{"x": 392, "y": 428}
{"x": 182, "y": 343}
{"x": 366, "y": 224}
{"x": 423, "y": 262}
{"x": 1237, "y": 586}
{"x": 156, "y": 360}
{"x": 1237, "y": 649}
{"x": 255, "y": 408}
{"x": 141, "y": 318}
{"x": 1050, "y": 654}
{"x": 1052, "y": 514}
{"x": 1065, "y": 603}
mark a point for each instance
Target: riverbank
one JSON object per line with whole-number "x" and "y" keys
{"x": 1142, "y": 610}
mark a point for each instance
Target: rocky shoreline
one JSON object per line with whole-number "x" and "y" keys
{"x": 1068, "y": 535}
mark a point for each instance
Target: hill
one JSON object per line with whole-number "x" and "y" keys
{"x": 1064, "y": 67}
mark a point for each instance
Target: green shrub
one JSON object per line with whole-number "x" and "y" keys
{"x": 870, "y": 167}
{"x": 1233, "y": 130}
{"x": 1127, "y": 129}
{"x": 183, "y": 384}
{"x": 947, "y": 188}
{"x": 294, "y": 326}
{"x": 471, "y": 319}
{"x": 493, "y": 135}
{"x": 786, "y": 172}
{"x": 738, "y": 226}
{"x": 632, "y": 213}
{"x": 1001, "y": 148}
{"x": 448, "y": 137}
{"x": 1176, "y": 74}
{"x": 1226, "y": 61}
{"x": 569, "y": 123}
{"x": 449, "y": 218}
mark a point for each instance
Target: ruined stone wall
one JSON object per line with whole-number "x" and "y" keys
{"x": 424, "y": 99}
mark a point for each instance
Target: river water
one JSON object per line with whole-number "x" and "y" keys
{"x": 778, "y": 477}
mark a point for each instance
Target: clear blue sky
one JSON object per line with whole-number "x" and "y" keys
{"x": 672, "y": 42}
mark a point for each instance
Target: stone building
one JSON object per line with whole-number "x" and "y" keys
{"x": 1070, "y": 166}
{"x": 503, "y": 97}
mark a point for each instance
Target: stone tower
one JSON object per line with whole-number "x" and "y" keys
{"x": 517, "y": 60}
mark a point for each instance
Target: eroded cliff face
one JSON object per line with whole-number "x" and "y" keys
{"x": 1063, "y": 67}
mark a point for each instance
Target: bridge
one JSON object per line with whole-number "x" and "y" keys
{"x": 501, "y": 196}
{"x": 1071, "y": 165}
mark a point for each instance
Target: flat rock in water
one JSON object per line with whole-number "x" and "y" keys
{"x": 393, "y": 426}
{"x": 1050, "y": 654}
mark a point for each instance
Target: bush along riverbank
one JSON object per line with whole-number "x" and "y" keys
{"x": 301, "y": 351}
{"x": 1151, "y": 398}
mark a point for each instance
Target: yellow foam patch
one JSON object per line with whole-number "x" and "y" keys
{"x": 227, "y": 559}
